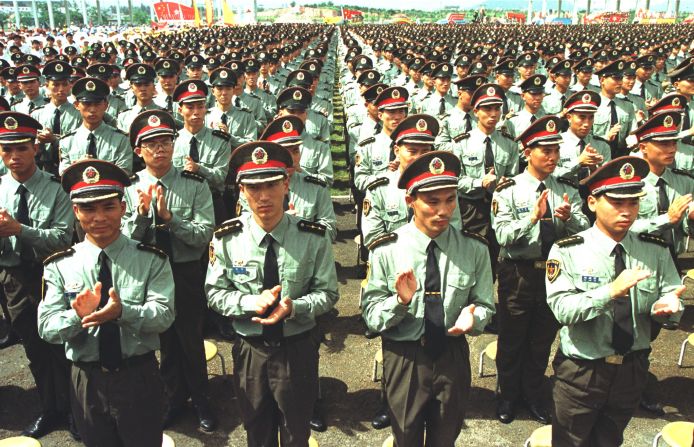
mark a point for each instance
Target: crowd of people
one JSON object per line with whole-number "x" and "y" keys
{"x": 153, "y": 183}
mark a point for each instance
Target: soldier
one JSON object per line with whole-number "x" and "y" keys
{"x": 116, "y": 103}
{"x": 13, "y": 93}
{"x": 440, "y": 103}
{"x": 581, "y": 152}
{"x": 460, "y": 119}
{"x": 35, "y": 221}
{"x": 683, "y": 81}
{"x": 583, "y": 73}
{"x": 604, "y": 285}
{"x": 504, "y": 77}
{"x": 224, "y": 116}
{"x": 614, "y": 119}
{"x": 645, "y": 87}
{"x": 422, "y": 314}
{"x": 273, "y": 274}
{"x": 94, "y": 138}
{"x": 532, "y": 92}
{"x": 172, "y": 209}
{"x": 28, "y": 77}
{"x": 637, "y": 102}
{"x": 251, "y": 69}
{"x": 58, "y": 117}
{"x": 529, "y": 212}
{"x": 167, "y": 77}
{"x": 108, "y": 298}
{"x": 560, "y": 75}
{"x": 317, "y": 124}
{"x": 141, "y": 77}
{"x": 198, "y": 148}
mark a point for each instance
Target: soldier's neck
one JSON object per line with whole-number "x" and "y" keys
{"x": 56, "y": 103}
{"x": 90, "y": 126}
{"x": 159, "y": 172}
{"x": 607, "y": 94}
{"x": 268, "y": 224}
{"x": 223, "y": 107}
{"x": 616, "y": 236}
{"x": 193, "y": 129}
{"x": 541, "y": 176}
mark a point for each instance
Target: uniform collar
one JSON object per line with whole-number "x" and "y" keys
{"x": 605, "y": 244}
{"x": 112, "y": 250}
{"x": 166, "y": 180}
{"x": 31, "y": 184}
{"x": 652, "y": 178}
{"x": 422, "y": 240}
{"x": 258, "y": 234}
{"x": 571, "y": 139}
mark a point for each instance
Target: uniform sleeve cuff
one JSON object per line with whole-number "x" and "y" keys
{"x": 248, "y": 303}
{"x": 600, "y": 297}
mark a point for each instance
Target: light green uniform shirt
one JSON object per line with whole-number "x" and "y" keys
{"x": 466, "y": 278}
{"x": 569, "y": 151}
{"x": 240, "y": 124}
{"x": 452, "y": 126}
{"x": 127, "y": 116}
{"x": 579, "y": 296}
{"x": 25, "y": 105}
{"x": 214, "y": 148}
{"x": 111, "y": 145}
{"x": 306, "y": 270}
{"x": 142, "y": 280}
{"x": 70, "y": 118}
{"x": 316, "y": 158}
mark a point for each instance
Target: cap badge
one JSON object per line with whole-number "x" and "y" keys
{"x": 620, "y": 65}
{"x": 491, "y": 91}
{"x": 478, "y": 82}
{"x": 223, "y": 74}
{"x": 421, "y": 125}
{"x": 444, "y": 68}
{"x": 537, "y": 81}
{"x": 379, "y": 90}
{"x": 436, "y": 166}
{"x": 166, "y": 64}
{"x": 551, "y": 126}
{"x": 589, "y": 62}
{"x": 153, "y": 121}
{"x": 676, "y": 102}
{"x": 194, "y": 59}
{"x": 297, "y": 96}
{"x": 259, "y": 156}
{"x": 626, "y": 172}
{"x": 141, "y": 70}
{"x": 10, "y": 123}
{"x": 395, "y": 94}
{"x": 102, "y": 69}
{"x": 287, "y": 126}
{"x": 59, "y": 68}
{"x": 586, "y": 98}
{"x": 234, "y": 66}
{"x": 26, "y": 70}
{"x": 90, "y": 86}
{"x": 90, "y": 175}
{"x": 370, "y": 75}
{"x": 511, "y": 65}
{"x": 312, "y": 67}
{"x": 668, "y": 121}
{"x": 527, "y": 57}
{"x": 192, "y": 87}
{"x": 300, "y": 76}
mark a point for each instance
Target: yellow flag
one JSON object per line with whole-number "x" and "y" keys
{"x": 209, "y": 12}
{"x": 228, "y": 14}
{"x": 197, "y": 14}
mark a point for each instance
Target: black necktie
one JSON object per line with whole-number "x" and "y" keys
{"x": 285, "y": 204}
{"x": 434, "y": 327}
{"x": 162, "y": 236}
{"x": 271, "y": 278}
{"x": 643, "y": 90}
{"x": 532, "y": 118}
{"x": 504, "y": 108}
{"x": 22, "y": 215}
{"x": 614, "y": 119}
{"x": 378, "y": 127}
{"x": 91, "y": 149}
{"x": 622, "y": 329}
{"x": 488, "y": 155}
{"x": 685, "y": 119}
{"x": 55, "y": 128}
{"x": 663, "y": 206}
{"x": 237, "y": 102}
{"x": 583, "y": 172}
{"x": 547, "y": 234}
{"x": 225, "y": 119}
{"x": 193, "y": 152}
{"x": 169, "y": 104}
{"x": 442, "y": 106}
{"x": 31, "y": 106}
{"x": 109, "y": 334}
{"x": 563, "y": 99}
{"x": 468, "y": 123}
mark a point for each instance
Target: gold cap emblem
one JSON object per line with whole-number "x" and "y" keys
{"x": 491, "y": 91}
{"x": 141, "y": 70}
{"x": 59, "y": 68}
{"x": 223, "y": 74}
{"x": 586, "y": 98}
{"x": 551, "y": 126}
{"x": 259, "y": 156}
{"x": 421, "y": 125}
{"x": 537, "y": 81}
{"x": 102, "y": 69}
{"x": 90, "y": 175}
{"x": 90, "y": 86}
{"x": 297, "y": 96}
{"x": 287, "y": 126}
{"x": 675, "y": 101}
{"x": 436, "y": 166}
{"x": 300, "y": 76}
{"x": 192, "y": 87}
{"x": 10, "y": 123}
{"x": 395, "y": 94}
{"x": 626, "y": 172}
{"x": 153, "y": 121}
{"x": 668, "y": 121}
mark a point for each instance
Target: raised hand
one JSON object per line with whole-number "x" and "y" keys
{"x": 111, "y": 311}
{"x": 87, "y": 301}
{"x": 266, "y": 299}
{"x": 540, "y": 207}
{"x": 405, "y": 286}
{"x": 465, "y": 321}
{"x": 619, "y": 288}
{"x": 279, "y": 313}
{"x": 563, "y": 211}
{"x": 670, "y": 303}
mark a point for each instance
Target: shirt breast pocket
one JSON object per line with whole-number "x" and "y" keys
{"x": 243, "y": 275}
{"x": 296, "y": 282}
{"x": 40, "y": 217}
{"x": 647, "y": 294}
{"x": 132, "y": 294}
{"x": 182, "y": 212}
{"x": 458, "y": 289}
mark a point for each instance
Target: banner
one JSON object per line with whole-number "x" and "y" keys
{"x": 209, "y": 12}
{"x": 351, "y": 14}
{"x": 168, "y": 11}
{"x": 227, "y": 14}
{"x": 196, "y": 13}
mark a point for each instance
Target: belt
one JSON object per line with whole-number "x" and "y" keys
{"x": 540, "y": 265}
{"x": 615, "y": 359}
{"x": 130, "y": 362}
{"x": 260, "y": 340}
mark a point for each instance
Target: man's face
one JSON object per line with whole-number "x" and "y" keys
{"x": 580, "y": 123}
{"x": 563, "y": 81}
{"x": 266, "y": 200}
{"x": 13, "y": 87}
{"x": 302, "y": 114}
{"x": 462, "y": 71}
{"x": 391, "y": 118}
{"x": 30, "y": 88}
{"x": 543, "y": 159}
{"x": 442, "y": 85}
{"x": 433, "y": 209}
{"x": 194, "y": 72}
{"x": 19, "y": 158}
{"x": 611, "y": 84}
{"x": 488, "y": 116}
{"x": 533, "y": 100}
{"x": 193, "y": 113}
{"x": 372, "y": 109}
{"x": 644, "y": 73}
{"x": 223, "y": 94}
{"x": 628, "y": 82}
{"x": 59, "y": 90}
{"x": 144, "y": 91}
{"x": 157, "y": 153}
{"x": 295, "y": 152}
{"x": 526, "y": 71}
{"x": 685, "y": 87}
{"x": 428, "y": 81}
{"x": 252, "y": 80}
{"x": 168, "y": 83}
{"x": 408, "y": 152}
{"x": 659, "y": 154}
{"x": 505, "y": 80}
{"x": 464, "y": 98}
{"x": 92, "y": 112}
{"x": 583, "y": 77}
{"x": 614, "y": 216}
{"x": 101, "y": 220}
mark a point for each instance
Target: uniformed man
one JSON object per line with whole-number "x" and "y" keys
{"x": 683, "y": 81}
{"x": 199, "y": 149}
{"x": 273, "y": 274}
{"x": 224, "y": 116}
{"x": 251, "y": 69}
{"x": 529, "y": 212}
{"x": 317, "y": 124}
{"x": 440, "y": 102}
{"x": 583, "y": 73}
{"x": 532, "y": 92}
{"x": 644, "y": 86}
{"x": 526, "y": 66}
{"x": 504, "y": 77}
{"x": 560, "y": 75}
{"x": 116, "y": 103}
{"x": 637, "y": 102}
{"x": 461, "y": 118}
{"x": 94, "y": 138}
{"x": 614, "y": 119}
{"x": 375, "y": 154}
{"x": 422, "y": 296}
{"x": 35, "y": 220}
{"x": 108, "y": 298}
{"x": 141, "y": 78}
{"x": 58, "y": 117}
{"x": 28, "y": 77}
{"x": 581, "y": 152}
{"x": 604, "y": 285}
{"x": 172, "y": 209}
{"x": 370, "y": 125}
{"x": 13, "y": 93}
{"x": 167, "y": 80}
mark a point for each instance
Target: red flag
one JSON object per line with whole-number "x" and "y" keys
{"x": 349, "y": 14}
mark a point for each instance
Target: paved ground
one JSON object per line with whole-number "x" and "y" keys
{"x": 350, "y": 397}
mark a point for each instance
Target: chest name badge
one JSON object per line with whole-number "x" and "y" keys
{"x": 591, "y": 279}
{"x": 239, "y": 270}
{"x": 523, "y": 209}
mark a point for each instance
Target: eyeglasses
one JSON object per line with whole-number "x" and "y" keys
{"x": 151, "y": 147}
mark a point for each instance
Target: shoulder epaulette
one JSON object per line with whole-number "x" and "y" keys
{"x": 152, "y": 249}
{"x": 568, "y": 181}
{"x": 192, "y": 175}
{"x": 221, "y": 134}
{"x": 55, "y": 178}
{"x": 388, "y": 237}
{"x": 254, "y": 95}
{"x": 474, "y": 235}
{"x": 648, "y": 237}
{"x": 378, "y": 182}
{"x": 68, "y": 134}
{"x": 59, "y": 254}
{"x": 128, "y": 109}
{"x": 510, "y": 115}
{"x": 504, "y": 132}
{"x": 228, "y": 227}
{"x": 244, "y": 109}
{"x": 121, "y": 131}
{"x": 460, "y": 137}
{"x": 366, "y": 141}
{"x": 599, "y": 138}
{"x": 682, "y": 172}
{"x": 316, "y": 180}
{"x": 312, "y": 227}
{"x": 38, "y": 108}
{"x": 134, "y": 178}
{"x": 570, "y": 240}
{"x": 503, "y": 185}
{"x": 16, "y": 101}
